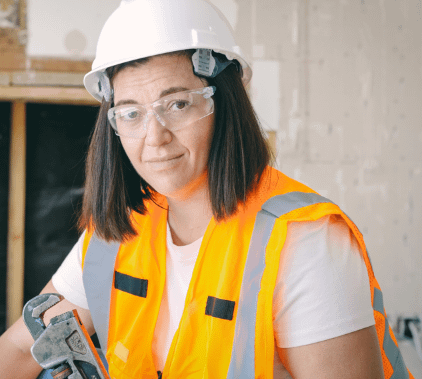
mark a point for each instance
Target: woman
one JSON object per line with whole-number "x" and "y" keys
{"x": 197, "y": 259}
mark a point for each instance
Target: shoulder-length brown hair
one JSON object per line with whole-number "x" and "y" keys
{"x": 238, "y": 156}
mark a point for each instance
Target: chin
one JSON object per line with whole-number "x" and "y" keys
{"x": 169, "y": 189}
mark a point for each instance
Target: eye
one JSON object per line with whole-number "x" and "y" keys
{"x": 130, "y": 114}
{"x": 179, "y": 105}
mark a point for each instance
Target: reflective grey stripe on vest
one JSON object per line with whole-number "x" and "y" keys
{"x": 242, "y": 363}
{"x": 98, "y": 280}
{"x": 391, "y": 350}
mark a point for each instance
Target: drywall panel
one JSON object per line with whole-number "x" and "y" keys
{"x": 66, "y": 29}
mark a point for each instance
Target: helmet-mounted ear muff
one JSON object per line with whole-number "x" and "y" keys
{"x": 104, "y": 87}
{"x": 209, "y": 64}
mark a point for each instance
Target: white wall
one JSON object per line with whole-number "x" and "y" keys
{"x": 341, "y": 83}
{"x": 349, "y": 94}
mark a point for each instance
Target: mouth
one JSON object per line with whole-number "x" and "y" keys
{"x": 164, "y": 159}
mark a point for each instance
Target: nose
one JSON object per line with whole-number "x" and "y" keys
{"x": 156, "y": 132}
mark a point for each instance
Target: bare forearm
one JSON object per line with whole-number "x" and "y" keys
{"x": 16, "y": 362}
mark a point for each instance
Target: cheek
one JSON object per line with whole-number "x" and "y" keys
{"x": 132, "y": 148}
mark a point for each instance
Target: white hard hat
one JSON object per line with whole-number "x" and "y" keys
{"x": 143, "y": 28}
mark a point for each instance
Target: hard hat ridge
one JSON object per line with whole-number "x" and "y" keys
{"x": 144, "y": 28}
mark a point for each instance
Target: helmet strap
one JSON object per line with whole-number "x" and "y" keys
{"x": 209, "y": 64}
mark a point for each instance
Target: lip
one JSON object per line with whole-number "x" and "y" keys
{"x": 163, "y": 159}
{"x": 164, "y": 164}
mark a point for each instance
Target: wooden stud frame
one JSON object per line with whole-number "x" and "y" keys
{"x": 13, "y": 58}
{"x": 18, "y": 96}
{"x": 16, "y": 224}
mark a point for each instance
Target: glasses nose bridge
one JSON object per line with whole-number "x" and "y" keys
{"x": 150, "y": 109}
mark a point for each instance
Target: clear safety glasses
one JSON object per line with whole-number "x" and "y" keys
{"x": 174, "y": 111}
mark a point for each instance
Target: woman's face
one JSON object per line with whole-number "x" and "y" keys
{"x": 173, "y": 163}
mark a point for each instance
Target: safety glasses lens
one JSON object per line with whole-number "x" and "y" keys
{"x": 173, "y": 112}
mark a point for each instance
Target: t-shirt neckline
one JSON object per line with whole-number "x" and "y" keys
{"x": 183, "y": 253}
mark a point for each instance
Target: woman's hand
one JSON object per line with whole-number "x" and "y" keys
{"x": 351, "y": 356}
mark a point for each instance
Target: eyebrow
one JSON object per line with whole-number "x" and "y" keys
{"x": 163, "y": 93}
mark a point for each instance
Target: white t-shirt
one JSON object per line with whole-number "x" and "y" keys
{"x": 322, "y": 288}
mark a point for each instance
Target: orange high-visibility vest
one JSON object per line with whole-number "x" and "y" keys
{"x": 226, "y": 329}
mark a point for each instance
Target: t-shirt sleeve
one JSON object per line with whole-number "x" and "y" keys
{"x": 322, "y": 289}
{"x": 68, "y": 278}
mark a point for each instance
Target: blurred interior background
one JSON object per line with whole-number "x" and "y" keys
{"x": 337, "y": 85}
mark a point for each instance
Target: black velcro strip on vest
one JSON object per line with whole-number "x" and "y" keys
{"x": 130, "y": 284}
{"x": 220, "y": 308}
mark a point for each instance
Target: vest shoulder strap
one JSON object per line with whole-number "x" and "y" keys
{"x": 282, "y": 204}
{"x": 97, "y": 277}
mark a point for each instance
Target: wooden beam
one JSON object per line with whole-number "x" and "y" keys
{"x": 62, "y": 95}
{"x": 59, "y": 65}
{"x": 13, "y": 58}
{"x": 16, "y": 224}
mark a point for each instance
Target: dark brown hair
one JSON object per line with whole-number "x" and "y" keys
{"x": 237, "y": 159}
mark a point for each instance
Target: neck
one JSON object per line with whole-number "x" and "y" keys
{"x": 189, "y": 217}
